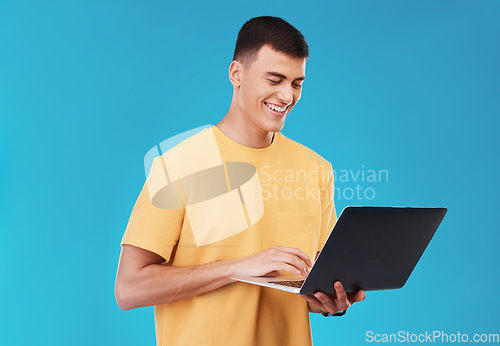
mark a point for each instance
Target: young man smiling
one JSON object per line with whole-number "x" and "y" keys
{"x": 184, "y": 268}
{"x": 267, "y": 85}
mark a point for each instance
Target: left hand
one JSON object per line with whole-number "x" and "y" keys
{"x": 335, "y": 302}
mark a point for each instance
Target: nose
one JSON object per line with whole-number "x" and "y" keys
{"x": 285, "y": 94}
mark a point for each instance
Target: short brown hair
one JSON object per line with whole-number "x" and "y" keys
{"x": 274, "y": 31}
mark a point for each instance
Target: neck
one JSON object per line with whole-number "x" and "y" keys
{"x": 244, "y": 133}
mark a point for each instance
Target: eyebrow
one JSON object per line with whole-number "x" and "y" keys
{"x": 276, "y": 74}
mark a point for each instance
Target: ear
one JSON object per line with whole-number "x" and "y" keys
{"x": 234, "y": 73}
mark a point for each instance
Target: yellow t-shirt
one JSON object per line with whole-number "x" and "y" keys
{"x": 209, "y": 199}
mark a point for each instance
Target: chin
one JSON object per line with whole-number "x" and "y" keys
{"x": 273, "y": 125}
{"x": 279, "y": 128}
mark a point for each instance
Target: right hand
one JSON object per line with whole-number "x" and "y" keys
{"x": 269, "y": 262}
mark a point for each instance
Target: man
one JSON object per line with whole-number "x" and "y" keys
{"x": 181, "y": 258}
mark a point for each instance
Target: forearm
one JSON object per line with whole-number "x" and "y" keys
{"x": 157, "y": 284}
{"x": 142, "y": 279}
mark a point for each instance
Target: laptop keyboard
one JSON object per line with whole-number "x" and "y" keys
{"x": 294, "y": 283}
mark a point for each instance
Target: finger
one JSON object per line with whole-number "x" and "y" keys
{"x": 297, "y": 263}
{"x": 360, "y": 295}
{"x": 355, "y": 297}
{"x": 286, "y": 267}
{"x": 327, "y": 303}
{"x": 297, "y": 252}
{"x": 341, "y": 300}
{"x": 339, "y": 291}
{"x": 292, "y": 260}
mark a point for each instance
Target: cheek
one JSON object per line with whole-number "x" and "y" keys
{"x": 297, "y": 95}
{"x": 254, "y": 95}
{"x": 247, "y": 95}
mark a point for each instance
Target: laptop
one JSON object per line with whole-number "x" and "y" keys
{"x": 369, "y": 248}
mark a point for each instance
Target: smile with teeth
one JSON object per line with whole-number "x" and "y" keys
{"x": 275, "y": 108}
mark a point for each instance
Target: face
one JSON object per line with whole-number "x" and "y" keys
{"x": 269, "y": 87}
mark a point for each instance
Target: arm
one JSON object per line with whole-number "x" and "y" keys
{"x": 142, "y": 279}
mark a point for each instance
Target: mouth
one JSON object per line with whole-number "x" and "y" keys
{"x": 277, "y": 110}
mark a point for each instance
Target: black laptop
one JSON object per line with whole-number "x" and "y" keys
{"x": 370, "y": 248}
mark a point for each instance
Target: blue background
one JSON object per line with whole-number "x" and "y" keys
{"x": 87, "y": 88}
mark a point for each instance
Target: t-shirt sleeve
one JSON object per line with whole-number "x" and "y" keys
{"x": 328, "y": 213}
{"x": 152, "y": 228}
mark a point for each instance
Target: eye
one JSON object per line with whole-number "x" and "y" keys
{"x": 297, "y": 86}
{"x": 274, "y": 81}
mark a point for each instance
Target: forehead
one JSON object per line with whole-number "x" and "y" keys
{"x": 269, "y": 60}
